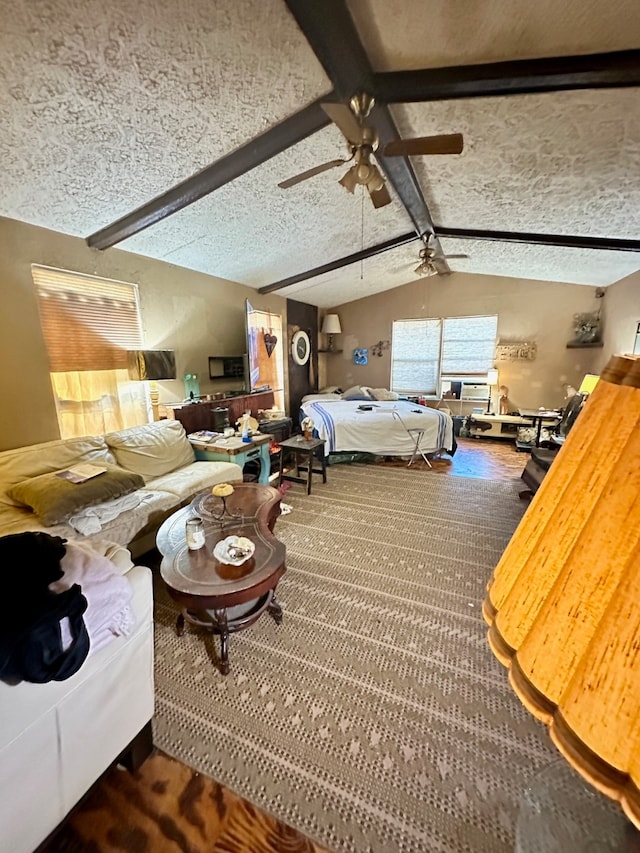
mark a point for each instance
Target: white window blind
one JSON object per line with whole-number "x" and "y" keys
{"x": 88, "y": 323}
{"x": 424, "y": 350}
{"x": 415, "y": 355}
{"x": 468, "y": 345}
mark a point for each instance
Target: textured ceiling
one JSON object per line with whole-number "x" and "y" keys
{"x": 105, "y": 106}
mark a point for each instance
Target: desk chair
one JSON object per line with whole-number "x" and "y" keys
{"x": 416, "y": 434}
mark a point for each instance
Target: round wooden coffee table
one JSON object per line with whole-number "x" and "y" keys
{"x": 220, "y": 597}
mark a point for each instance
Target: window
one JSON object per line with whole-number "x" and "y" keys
{"x": 88, "y": 324}
{"x": 424, "y": 351}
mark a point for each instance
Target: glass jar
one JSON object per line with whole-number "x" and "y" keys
{"x": 195, "y": 533}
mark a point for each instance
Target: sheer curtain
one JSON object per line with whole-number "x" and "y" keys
{"x": 93, "y": 402}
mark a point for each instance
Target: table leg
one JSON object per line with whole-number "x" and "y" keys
{"x": 323, "y": 462}
{"x": 274, "y": 609}
{"x": 281, "y": 468}
{"x": 309, "y": 471}
{"x": 180, "y": 624}
{"x": 220, "y": 616}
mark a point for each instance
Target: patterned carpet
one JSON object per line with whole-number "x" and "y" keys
{"x": 375, "y": 717}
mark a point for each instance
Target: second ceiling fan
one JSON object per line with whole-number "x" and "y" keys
{"x": 363, "y": 142}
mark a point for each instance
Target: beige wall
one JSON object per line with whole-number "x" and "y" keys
{"x": 195, "y": 314}
{"x": 527, "y": 311}
{"x": 621, "y": 311}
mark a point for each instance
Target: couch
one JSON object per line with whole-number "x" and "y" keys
{"x": 151, "y": 472}
{"x": 57, "y": 738}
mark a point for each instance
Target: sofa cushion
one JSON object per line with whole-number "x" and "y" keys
{"x": 54, "y": 499}
{"x": 23, "y": 462}
{"x": 153, "y": 449}
{"x": 197, "y": 477}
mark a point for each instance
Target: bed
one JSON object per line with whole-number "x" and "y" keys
{"x": 377, "y": 426}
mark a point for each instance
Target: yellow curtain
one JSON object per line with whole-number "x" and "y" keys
{"x": 93, "y": 402}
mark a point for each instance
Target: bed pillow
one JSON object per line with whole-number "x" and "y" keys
{"x": 384, "y": 394}
{"x": 330, "y": 389}
{"x": 54, "y": 499}
{"x": 357, "y": 392}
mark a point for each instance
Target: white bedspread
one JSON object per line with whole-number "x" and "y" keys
{"x": 344, "y": 426}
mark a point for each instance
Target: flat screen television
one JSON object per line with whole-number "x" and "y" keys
{"x": 227, "y": 367}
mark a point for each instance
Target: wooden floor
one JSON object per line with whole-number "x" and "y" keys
{"x": 167, "y": 807}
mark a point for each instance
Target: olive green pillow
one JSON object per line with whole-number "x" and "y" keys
{"x": 54, "y": 499}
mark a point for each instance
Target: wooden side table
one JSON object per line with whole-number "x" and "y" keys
{"x": 238, "y": 452}
{"x": 301, "y": 447}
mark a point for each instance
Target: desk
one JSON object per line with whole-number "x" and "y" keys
{"x": 537, "y": 416}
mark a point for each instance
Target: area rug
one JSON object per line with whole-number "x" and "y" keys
{"x": 375, "y": 718}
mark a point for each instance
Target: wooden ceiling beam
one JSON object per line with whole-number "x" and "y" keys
{"x": 362, "y": 255}
{"x": 333, "y": 37}
{"x": 258, "y": 150}
{"x": 519, "y": 77}
{"x": 614, "y": 244}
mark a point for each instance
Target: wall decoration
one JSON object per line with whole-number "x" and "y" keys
{"x": 516, "y": 351}
{"x": 300, "y": 347}
{"x": 380, "y": 347}
{"x": 360, "y": 356}
{"x": 586, "y": 327}
{"x": 270, "y": 341}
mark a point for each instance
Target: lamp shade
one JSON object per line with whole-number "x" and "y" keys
{"x": 492, "y": 376}
{"x": 588, "y": 384}
{"x": 151, "y": 364}
{"x": 563, "y": 604}
{"x": 331, "y": 325}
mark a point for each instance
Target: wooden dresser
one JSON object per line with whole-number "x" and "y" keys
{"x": 197, "y": 416}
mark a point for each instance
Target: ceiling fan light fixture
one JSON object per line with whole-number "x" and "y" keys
{"x": 349, "y": 180}
{"x": 426, "y": 268}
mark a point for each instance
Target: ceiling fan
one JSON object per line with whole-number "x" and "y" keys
{"x": 431, "y": 262}
{"x": 363, "y": 142}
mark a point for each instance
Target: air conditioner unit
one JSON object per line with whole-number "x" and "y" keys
{"x": 464, "y": 390}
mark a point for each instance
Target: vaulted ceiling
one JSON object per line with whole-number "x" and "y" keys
{"x": 165, "y": 128}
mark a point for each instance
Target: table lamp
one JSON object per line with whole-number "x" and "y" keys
{"x": 563, "y": 604}
{"x": 151, "y": 365}
{"x": 331, "y": 326}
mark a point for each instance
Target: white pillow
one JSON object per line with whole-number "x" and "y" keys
{"x": 383, "y": 394}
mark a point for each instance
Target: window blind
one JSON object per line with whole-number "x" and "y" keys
{"x": 468, "y": 345}
{"x": 426, "y": 349}
{"x": 415, "y": 355}
{"x": 88, "y": 322}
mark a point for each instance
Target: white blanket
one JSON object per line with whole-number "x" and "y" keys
{"x": 90, "y": 520}
{"x": 108, "y": 595}
{"x": 345, "y": 426}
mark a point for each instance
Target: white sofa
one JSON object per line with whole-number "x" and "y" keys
{"x": 57, "y": 738}
{"x": 159, "y": 452}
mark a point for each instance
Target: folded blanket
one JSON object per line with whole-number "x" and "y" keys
{"x": 108, "y": 595}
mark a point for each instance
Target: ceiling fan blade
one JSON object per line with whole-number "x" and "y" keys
{"x": 451, "y": 143}
{"x": 347, "y": 123}
{"x": 380, "y": 197}
{"x": 455, "y": 257}
{"x": 290, "y": 182}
